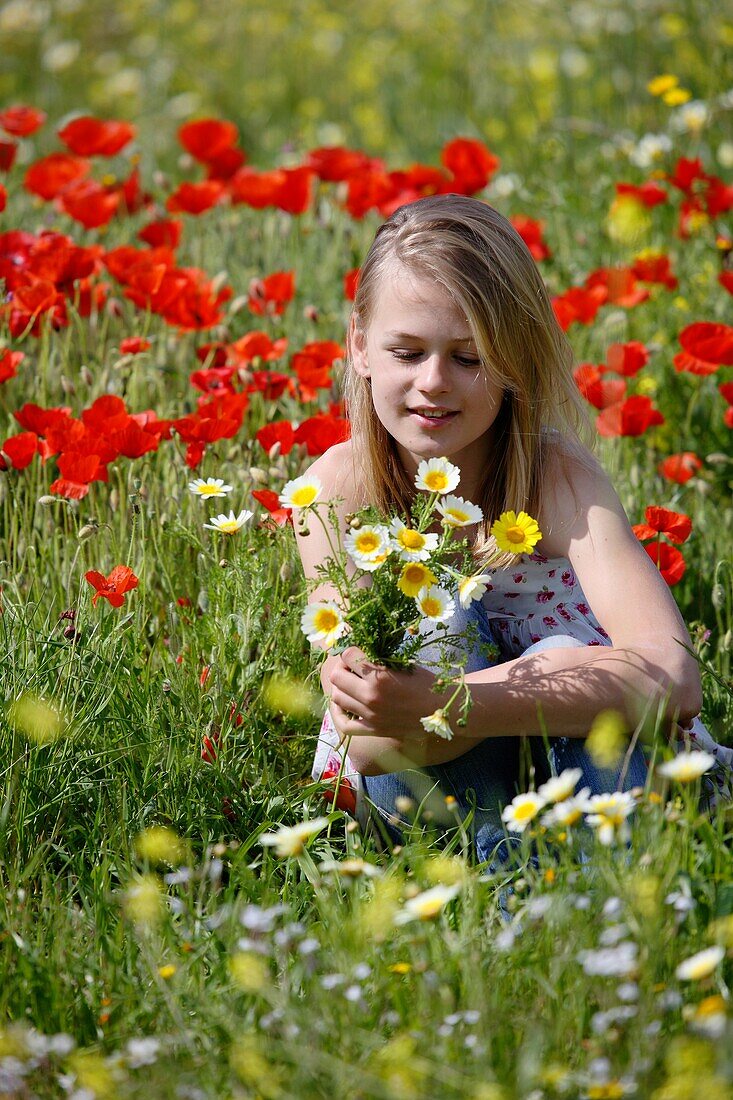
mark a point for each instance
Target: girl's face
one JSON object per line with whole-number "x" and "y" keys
{"x": 429, "y": 387}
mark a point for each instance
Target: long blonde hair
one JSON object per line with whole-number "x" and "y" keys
{"x": 472, "y": 251}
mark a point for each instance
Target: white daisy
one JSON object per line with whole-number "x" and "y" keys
{"x": 410, "y": 544}
{"x": 323, "y": 622}
{"x": 687, "y": 766}
{"x": 473, "y": 588}
{"x": 437, "y": 475}
{"x": 369, "y": 545}
{"x": 427, "y": 905}
{"x": 560, "y": 786}
{"x": 700, "y": 965}
{"x": 437, "y": 723}
{"x": 567, "y": 813}
{"x": 230, "y": 524}
{"x": 607, "y": 814}
{"x": 522, "y": 809}
{"x": 301, "y": 492}
{"x": 457, "y": 512}
{"x": 290, "y": 840}
{"x": 209, "y": 487}
{"x": 435, "y": 604}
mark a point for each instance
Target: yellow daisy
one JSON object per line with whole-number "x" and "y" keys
{"x": 516, "y": 533}
{"x": 661, "y": 84}
{"x": 415, "y": 576}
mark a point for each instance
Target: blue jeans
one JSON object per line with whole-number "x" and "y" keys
{"x": 486, "y": 778}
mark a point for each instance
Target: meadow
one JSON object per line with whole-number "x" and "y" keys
{"x": 171, "y": 312}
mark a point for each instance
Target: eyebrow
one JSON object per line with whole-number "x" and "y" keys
{"x": 412, "y": 336}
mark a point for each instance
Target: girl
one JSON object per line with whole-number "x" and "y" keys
{"x": 454, "y": 350}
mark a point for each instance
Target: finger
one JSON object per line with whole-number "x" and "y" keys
{"x": 347, "y": 724}
{"x": 347, "y": 704}
{"x": 356, "y": 660}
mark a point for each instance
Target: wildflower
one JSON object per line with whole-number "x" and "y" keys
{"x": 414, "y": 577}
{"x": 427, "y": 905}
{"x": 289, "y": 696}
{"x": 560, "y": 787}
{"x": 607, "y": 813}
{"x": 143, "y": 901}
{"x": 437, "y": 475}
{"x": 323, "y": 622}
{"x": 435, "y": 604}
{"x": 472, "y": 588}
{"x": 38, "y": 719}
{"x": 350, "y": 868}
{"x": 457, "y": 512}
{"x": 302, "y": 492}
{"x": 568, "y": 812}
{"x": 290, "y": 840}
{"x": 368, "y": 545}
{"x": 659, "y": 85}
{"x": 209, "y": 487}
{"x": 610, "y": 962}
{"x": 167, "y": 971}
{"x": 159, "y": 844}
{"x": 230, "y": 524}
{"x": 675, "y": 97}
{"x": 522, "y": 809}
{"x": 606, "y": 741}
{"x": 437, "y": 723}
{"x": 516, "y": 533}
{"x": 700, "y": 965}
{"x": 410, "y": 544}
{"x": 687, "y": 766}
{"x": 249, "y": 971}
{"x": 113, "y": 587}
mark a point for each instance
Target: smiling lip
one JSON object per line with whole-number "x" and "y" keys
{"x": 433, "y": 417}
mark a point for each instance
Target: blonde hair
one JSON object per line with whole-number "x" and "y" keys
{"x": 472, "y": 251}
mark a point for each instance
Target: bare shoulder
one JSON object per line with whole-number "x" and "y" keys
{"x": 336, "y": 470}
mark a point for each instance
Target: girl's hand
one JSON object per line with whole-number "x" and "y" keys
{"x": 370, "y": 700}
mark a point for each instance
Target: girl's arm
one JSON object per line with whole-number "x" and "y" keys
{"x": 646, "y": 669}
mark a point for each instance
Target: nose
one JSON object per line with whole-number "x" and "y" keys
{"x": 434, "y": 377}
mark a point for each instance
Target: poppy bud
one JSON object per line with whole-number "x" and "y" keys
{"x": 258, "y": 476}
{"x": 311, "y": 314}
{"x": 274, "y": 451}
{"x": 86, "y": 375}
{"x": 286, "y": 571}
{"x": 68, "y": 387}
{"x": 49, "y": 500}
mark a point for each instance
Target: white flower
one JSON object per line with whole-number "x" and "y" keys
{"x": 369, "y": 545}
{"x": 560, "y": 786}
{"x": 690, "y": 117}
{"x": 651, "y": 148}
{"x": 209, "y": 487}
{"x": 457, "y": 512}
{"x": 522, "y": 809}
{"x": 350, "y": 868}
{"x": 687, "y": 766}
{"x": 700, "y": 965}
{"x": 323, "y": 622}
{"x": 473, "y": 588}
{"x": 607, "y": 814}
{"x": 610, "y": 962}
{"x": 567, "y": 813}
{"x": 437, "y": 723}
{"x": 435, "y": 604}
{"x": 229, "y": 524}
{"x": 437, "y": 475}
{"x": 411, "y": 545}
{"x": 302, "y": 492}
{"x": 428, "y": 904}
{"x": 290, "y": 840}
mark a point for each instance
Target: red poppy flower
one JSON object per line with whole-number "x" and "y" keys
{"x": 195, "y": 198}
{"x": 680, "y": 467}
{"x": 627, "y": 359}
{"x": 368, "y": 190}
{"x": 351, "y": 282}
{"x": 225, "y": 165}
{"x": 134, "y": 345}
{"x": 271, "y": 295}
{"x": 620, "y": 285}
{"x": 21, "y": 120}
{"x": 207, "y": 138}
{"x": 706, "y": 346}
{"x": 578, "y": 304}
{"x": 321, "y": 432}
{"x": 90, "y": 204}
{"x": 726, "y": 392}
{"x": 8, "y": 153}
{"x": 164, "y": 232}
{"x": 648, "y": 194}
{"x": 20, "y": 449}
{"x": 686, "y": 173}
{"x": 213, "y": 378}
{"x": 655, "y": 267}
{"x": 669, "y": 561}
{"x": 345, "y": 795}
{"x": 531, "y": 233}
{"x": 596, "y": 389}
{"x": 634, "y": 416}
{"x": 279, "y": 431}
{"x": 9, "y": 363}
{"x": 335, "y": 163}
{"x": 256, "y": 345}
{"x": 471, "y": 164}
{"x": 3, "y": 198}
{"x": 271, "y": 384}
{"x": 726, "y": 280}
{"x": 96, "y": 137}
{"x": 113, "y": 587}
{"x": 675, "y": 526}
{"x": 49, "y": 176}
{"x": 270, "y": 500}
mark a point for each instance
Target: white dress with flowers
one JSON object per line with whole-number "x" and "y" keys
{"x": 533, "y": 599}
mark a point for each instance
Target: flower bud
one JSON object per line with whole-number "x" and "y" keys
{"x": 86, "y": 375}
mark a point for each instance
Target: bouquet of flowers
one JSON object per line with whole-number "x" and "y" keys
{"x": 398, "y": 579}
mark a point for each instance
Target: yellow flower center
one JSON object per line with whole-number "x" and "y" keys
{"x": 411, "y": 540}
{"x": 326, "y": 620}
{"x": 453, "y": 515}
{"x": 515, "y": 534}
{"x": 229, "y": 526}
{"x": 430, "y": 606}
{"x": 304, "y": 496}
{"x": 367, "y": 542}
{"x": 525, "y": 811}
{"x": 436, "y": 481}
{"x": 212, "y": 490}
